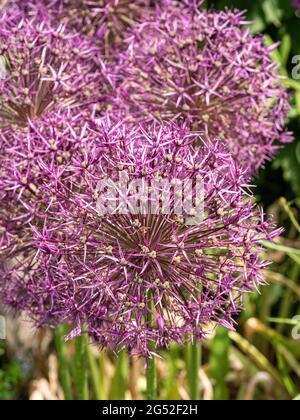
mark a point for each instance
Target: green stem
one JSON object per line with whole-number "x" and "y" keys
{"x": 81, "y": 368}
{"x": 290, "y": 213}
{"x": 121, "y": 375}
{"x": 151, "y": 379}
{"x": 195, "y": 353}
{"x": 172, "y": 392}
{"x": 95, "y": 375}
{"x": 119, "y": 382}
{"x": 103, "y": 377}
{"x": 64, "y": 374}
{"x": 151, "y": 376}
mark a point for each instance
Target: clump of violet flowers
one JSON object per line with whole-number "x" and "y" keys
{"x": 191, "y": 89}
{"x": 205, "y": 67}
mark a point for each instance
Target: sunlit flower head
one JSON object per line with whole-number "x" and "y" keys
{"x": 205, "y": 67}
{"x": 137, "y": 279}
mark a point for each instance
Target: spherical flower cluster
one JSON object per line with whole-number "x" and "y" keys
{"x": 107, "y": 20}
{"x": 206, "y": 68}
{"x": 44, "y": 66}
{"x": 131, "y": 278}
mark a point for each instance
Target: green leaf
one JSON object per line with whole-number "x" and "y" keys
{"x": 289, "y": 384}
{"x": 272, "y": 12}
{"x": 288, "y": 161}
{"x": 285, "y": 49}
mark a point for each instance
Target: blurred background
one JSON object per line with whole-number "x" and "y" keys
{"x": 261, "y": 361}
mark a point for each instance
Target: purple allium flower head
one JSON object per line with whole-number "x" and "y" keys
{"x": 101, "y": 270}
{"x": 108, "y": 20}
{"x": 206, "y": 68}
{"x": 44, "y": 66}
